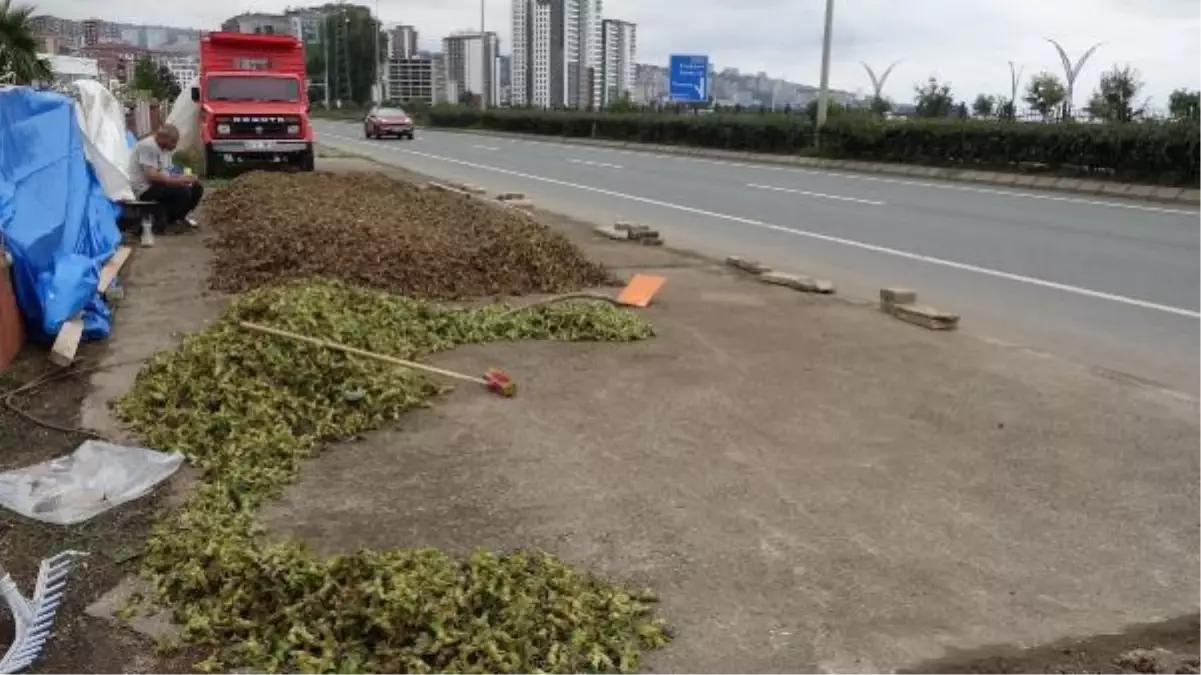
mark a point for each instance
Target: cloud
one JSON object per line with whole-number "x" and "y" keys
{"x": 965, "y": 43}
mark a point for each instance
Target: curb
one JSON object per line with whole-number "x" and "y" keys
{"x": 766, "y": 275}
{"x": 632, "y": 232}
{"x": 1080, "y": 186}
{"x": 902, "y": 304}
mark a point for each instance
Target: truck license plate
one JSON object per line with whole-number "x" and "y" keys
{"x": 259, "y": 145}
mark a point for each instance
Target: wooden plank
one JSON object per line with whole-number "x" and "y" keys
{"x": 67, "y": 341}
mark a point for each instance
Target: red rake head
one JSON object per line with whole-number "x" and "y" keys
{"x": 498, "y": 382}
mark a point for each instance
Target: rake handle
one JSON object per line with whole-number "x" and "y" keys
{"x": 347, "y": 349}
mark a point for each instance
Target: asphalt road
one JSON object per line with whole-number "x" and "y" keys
{"x": 1108, "y": 283}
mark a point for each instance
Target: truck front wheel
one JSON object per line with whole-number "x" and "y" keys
{"x": 212, "y": 164}
{"x": 306, "y": 159}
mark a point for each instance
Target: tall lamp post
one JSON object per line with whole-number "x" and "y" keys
{"x": 485, "y": 73}
{"x": 879, "y": 82}
{"x": 823, "y": 96}
{"x": 1070, "y": 72}
{"x": 1015, "y": 79}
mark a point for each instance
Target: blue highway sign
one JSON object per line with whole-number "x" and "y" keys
{"x": 688, "y": 79}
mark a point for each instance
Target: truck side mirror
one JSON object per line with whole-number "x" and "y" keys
{"x": 196, "y": 94}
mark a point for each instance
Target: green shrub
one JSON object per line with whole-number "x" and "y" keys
{"x": 1160, "y": 152}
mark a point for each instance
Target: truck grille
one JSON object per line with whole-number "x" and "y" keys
{"x": 252, "y": 126}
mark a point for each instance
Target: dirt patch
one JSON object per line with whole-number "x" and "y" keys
{"x": 1168, "y": 647}
{"x": 165, "y": 297}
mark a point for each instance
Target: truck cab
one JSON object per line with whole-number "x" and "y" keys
{"x": 253, "y": 99}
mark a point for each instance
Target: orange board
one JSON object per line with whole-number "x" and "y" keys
{"x": 641, "y": 290}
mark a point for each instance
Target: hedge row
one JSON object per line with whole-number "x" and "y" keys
{"x": 1157, "y": 153}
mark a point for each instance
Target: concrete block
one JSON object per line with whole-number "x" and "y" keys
{"x": 751, "y": 266}
{"x": 523, "y": 204}
{"x": 1167, "y": 194}
{"x": 1091, "y": 187}
{"x": 1002, "y": 178}
{"x": 611, "y": 233}
{"x": 926, "y": 317}
{"x": 1189, "y": 196}
{"x": 794, "y": 281}
{"x": 1068, "y": 184}
{"x": 1141, "y": 191}
{"x": 1045, "y": 182}
{"x": 147, "y": 619}
{"x": 1024, "y": 181}
{"x": 508, "y": 196}
{"x": 626, "y": 226}
{"x": 650, "y": 241}
{"x": 1115, "y": 189}
{"x": 643, "y": 233}
{"x": 474, "y": 189}
{"x": 890, "y": 297}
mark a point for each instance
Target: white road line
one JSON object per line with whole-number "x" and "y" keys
{"x": 815, "y": 194}
{"x": 589, "y": 163}
{"x": 896, "y": 181}
{"x": 1033, "y": 281}
{"x": 485, "y": 147}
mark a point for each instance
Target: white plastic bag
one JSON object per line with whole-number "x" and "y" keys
{"x": 95, "y": 478}
{"x": 101, "y": 118}
{"x": 185, "y": 116}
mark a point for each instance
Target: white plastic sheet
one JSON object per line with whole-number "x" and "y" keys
{"x": 102, "y": 120}
{"x": 95, "y": 478}
{"x": 185, "y": 116}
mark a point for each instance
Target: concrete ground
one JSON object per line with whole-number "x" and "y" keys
{"x": 809, "y": 484}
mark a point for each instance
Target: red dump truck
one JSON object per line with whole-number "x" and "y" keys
{"x": 253, "y": 103}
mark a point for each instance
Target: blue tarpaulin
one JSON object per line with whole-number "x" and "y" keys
{"x": 57, "y": 222}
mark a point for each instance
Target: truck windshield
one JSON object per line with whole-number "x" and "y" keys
{"x": 233, "y": 88}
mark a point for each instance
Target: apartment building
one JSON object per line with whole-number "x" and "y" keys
{"x": 556, "y": 53}
{"x": 256, "y": 22}
{"x": 413, "y": 79}
{"x": 402, "y": 42}
{"x": 618, "y": 69}
{"x": 473, "y": 65}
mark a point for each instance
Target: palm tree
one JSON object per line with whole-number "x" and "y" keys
{"x": 18, "y": 47}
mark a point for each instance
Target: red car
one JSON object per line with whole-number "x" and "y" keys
{"x": 382, "y": 122}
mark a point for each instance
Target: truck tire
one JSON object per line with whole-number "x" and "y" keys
{"x": 212, "y": 164}
{"x": 306, "y": 159}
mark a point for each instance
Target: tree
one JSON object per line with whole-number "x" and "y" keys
{"x": 1114, "y": 99}
{"x": 351, "y": 30}
{"x": 1045, "y": 95}
{"x": 623, "y": 105}
{"x": 18, "y": 47}
{"x": 984, "y": 105}
{"x": 1006, "y": 109}
{"x": 879, "y": 106}
{"x": 934, "y": 99}
{"x": 1185, "y": 105}
{"x": 168, "y": 86}
{"x": 153, "y": 80}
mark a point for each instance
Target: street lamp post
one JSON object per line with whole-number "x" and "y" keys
{"x": 1070, "y": 72}
{"x": 879, "y": 82}
{"x": 1015, "y": 79}
{"x": 823, "y": 96}
{"x": 485, "y": 73}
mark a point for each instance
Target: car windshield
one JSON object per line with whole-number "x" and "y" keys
{"x": 233, "y": 88}
{"x": 389, "y": 112}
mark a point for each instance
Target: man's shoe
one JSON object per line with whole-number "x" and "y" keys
{"x": 191, "y": 222}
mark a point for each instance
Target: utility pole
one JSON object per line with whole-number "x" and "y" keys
{"x": 823, "y": 96}
{"x": 379, "y": 78}
{"x": 325, "y": 43}
{"x": 1015, "y": 79}
{"x": 486, "y": 74}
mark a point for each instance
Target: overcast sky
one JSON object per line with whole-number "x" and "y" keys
{"x": 964, "y": 42}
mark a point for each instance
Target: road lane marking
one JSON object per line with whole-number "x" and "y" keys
{"x": 942, "y": 262}
{"x": 806, "y": 193}
{"x": 485, "y": 147}
{"x": 590, "y": 163}
{"x": 851, "y": 176}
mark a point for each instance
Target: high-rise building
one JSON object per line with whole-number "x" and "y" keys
{"x": 556, "y": 53}
{"x": 619, "y": 48}
{"x": 473, "y": 65}
{"x": 256, "y": 22}
{"x": 402, "y": 42}
{"x": 305, "y": 24}
{"x": 412, "y": 79}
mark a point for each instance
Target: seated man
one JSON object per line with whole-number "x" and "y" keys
{"x": 151, "y": 179}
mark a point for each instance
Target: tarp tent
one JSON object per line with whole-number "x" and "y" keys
{"x": 57, "y": 222}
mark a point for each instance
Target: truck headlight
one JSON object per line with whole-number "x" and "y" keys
{"x": 293, "y": 129}
{"x": 223, "y": 129}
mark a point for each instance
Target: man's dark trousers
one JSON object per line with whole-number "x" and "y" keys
{"x": 177, "y": 201}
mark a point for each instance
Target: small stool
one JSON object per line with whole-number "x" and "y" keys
{"x": 145, "y": 213}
